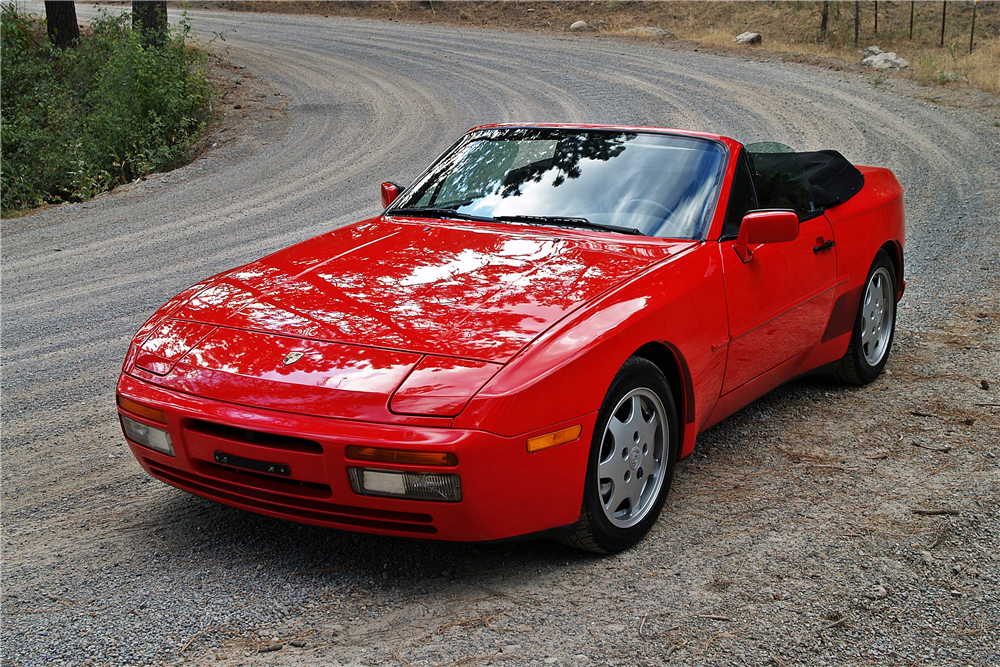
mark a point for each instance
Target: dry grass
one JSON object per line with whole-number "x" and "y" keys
{"x": 983, "y": 66}
{"x": 791, "y": 27}
{"x": 980, "y": 69}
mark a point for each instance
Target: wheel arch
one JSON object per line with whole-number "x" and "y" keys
{"x": 895, "y": 252}
{"x": 671, "y": 363}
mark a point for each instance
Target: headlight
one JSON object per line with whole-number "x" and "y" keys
{"x": 147, "y": 436}
{"x": 413, "y": 485}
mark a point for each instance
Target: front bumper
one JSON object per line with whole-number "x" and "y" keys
{"x": 506, "y": 492}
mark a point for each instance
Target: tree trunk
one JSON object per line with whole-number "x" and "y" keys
{"x": 824, "y": 21}
{"x": 60, "y": 19}
{"x": 857, "y": 21}
{"x": 150, "y": 18}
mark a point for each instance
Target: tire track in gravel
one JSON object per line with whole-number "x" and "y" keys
{"x": 363, "y": 102}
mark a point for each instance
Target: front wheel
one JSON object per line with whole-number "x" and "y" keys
{"x": 874, "y": 326}
{"x": 632, "y": 459}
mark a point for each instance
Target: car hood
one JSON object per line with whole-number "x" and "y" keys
{"x": 474, "y": 291}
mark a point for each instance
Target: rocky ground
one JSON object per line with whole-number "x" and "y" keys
{"x": 822, "y": 525}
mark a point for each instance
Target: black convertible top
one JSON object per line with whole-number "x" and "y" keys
{"x": 832, "y": 179}
{"x": 808, "y": 183}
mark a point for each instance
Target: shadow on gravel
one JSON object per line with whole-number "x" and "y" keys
{"x": 206, "y": 535}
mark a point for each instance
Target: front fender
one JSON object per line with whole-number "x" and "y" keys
{"x": 679, "y": 303}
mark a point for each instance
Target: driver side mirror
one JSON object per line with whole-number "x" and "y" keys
{"x": 389, "y": 193}
{"x": 758, "y": 227}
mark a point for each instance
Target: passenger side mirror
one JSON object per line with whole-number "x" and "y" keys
{"x": 758, "y": 227}
{"x": 389, "y": 193}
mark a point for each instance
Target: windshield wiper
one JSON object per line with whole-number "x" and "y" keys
{"x": 555, "y": 220}
{"x": 562, "y": 221}
{"x": 438, "y": 213}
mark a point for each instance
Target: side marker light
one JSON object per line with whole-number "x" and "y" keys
{"x": 548, "y": 440}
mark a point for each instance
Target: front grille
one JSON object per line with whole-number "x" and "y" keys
{"x": 282, "y": 485}
{"x": 246, "y": 436}
{"x": 258, "y": 492}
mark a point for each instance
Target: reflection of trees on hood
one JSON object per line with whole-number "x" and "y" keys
{"x": 571, "y": 149}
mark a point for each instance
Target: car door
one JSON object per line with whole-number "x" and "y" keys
{"x": 780, "y": 300}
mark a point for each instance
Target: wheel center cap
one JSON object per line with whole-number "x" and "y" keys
{"x": 634, "y": 458}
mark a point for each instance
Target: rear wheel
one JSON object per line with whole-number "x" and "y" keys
{"x": 632, "y": 459}
{"x": 874, "y": 326}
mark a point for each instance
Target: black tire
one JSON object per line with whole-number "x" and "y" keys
{"x": 874, "y": 326}
{"x": 628, "y": 476}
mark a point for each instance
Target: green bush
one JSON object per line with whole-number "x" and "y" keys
{"x": 79, "y": 121}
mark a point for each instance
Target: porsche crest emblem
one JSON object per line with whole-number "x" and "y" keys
{"x": 291, "y": 358}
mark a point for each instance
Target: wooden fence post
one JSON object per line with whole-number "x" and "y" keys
{"x": 944, "y": 10}
{"x": 972, "y": 32}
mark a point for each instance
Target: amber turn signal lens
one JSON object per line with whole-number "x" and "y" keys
{"x": 142, "y": 410}
{"x": 401, "y": 456}
{"x": 552, "y": 439}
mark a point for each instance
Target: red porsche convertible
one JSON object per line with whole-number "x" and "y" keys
{"x": 526, "y": 340}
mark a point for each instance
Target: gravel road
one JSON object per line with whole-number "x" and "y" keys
{"x": 789, "y": 537}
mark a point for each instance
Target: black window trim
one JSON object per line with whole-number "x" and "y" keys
{"x": 741, "y": 160}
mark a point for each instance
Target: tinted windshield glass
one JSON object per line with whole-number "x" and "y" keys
{"x": 660, "y": 184}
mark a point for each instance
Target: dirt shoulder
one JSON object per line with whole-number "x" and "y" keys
{"x": 242, "y": 101}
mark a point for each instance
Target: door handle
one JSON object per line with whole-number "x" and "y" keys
{"x": 823, "y": 248}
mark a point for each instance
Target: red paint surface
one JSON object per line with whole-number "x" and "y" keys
{"x": 467, "y": 290}
{"x": 441, "y": 386}
{"x": 470, "y": 338}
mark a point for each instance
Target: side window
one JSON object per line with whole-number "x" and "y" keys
{"x": 779, "y": 179}
{"x": 741, "y": 198}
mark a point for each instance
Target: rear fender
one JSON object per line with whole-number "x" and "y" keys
{"x": 870, "y": 221}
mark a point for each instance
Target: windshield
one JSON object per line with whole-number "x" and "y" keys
{"x": 661, "y": 185}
